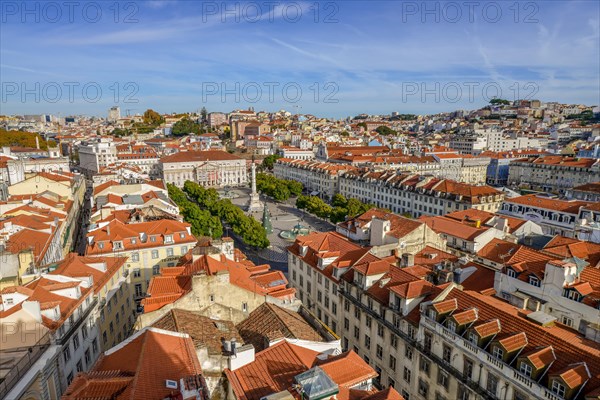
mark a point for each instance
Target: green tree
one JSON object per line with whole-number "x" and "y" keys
{"x": 269, "y": 161}
{"x": 153, "y": 118}
{"x": 496, "y": 101}
{"x": 204, "y": 114}
{"x": 185, "y": 126}
{"x": 339, "y": 200}
{"x": 385, "y": 130}
{"x": 338, "y": 214}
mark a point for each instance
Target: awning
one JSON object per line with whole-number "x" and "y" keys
{"x": 314, "y": 193}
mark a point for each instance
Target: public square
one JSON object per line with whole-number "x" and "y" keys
{"x": 284, "y": 216}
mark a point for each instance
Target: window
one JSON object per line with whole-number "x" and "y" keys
{"x": 84, "y": 331}
{"x": 368, "y": 321}
{"x": 492, "y": 384}
{"x": 442, "y": 379}
{"x": 356, "y": 332}
{"x": 69, "y": 378}
{"x": 424, "y": 365}
{"x": 244, "y": 307}
{"x": 566, "y": 320}
{"x": 497, "y": 352}
{"x": 394, "y": 341}
{"x": 519, "y": 395}
{"x": 155, "y": 270}
{"x": 451, "y": 326}
{"x": 356, "y": 313}
{"x": 463, "y": 393}
{"x": 428, "y": 339}
{"x": 154, "y": 253}
{"x": 408, "y": 352}
{"x": 367, "y": 342}
{"x": 334, "y": 308}
{"x": 137, "y": 272}
{"x": 104, "y": 337}
{"x": 392, "y": 362}
{"x": 438, "y": 396}
{"x": 79, "y": 366}
{"x": 379, "y": 330}
{"x": 525, "y": 369}
{"x": 170, "y": 252}
{"x": 473, "y": 338}
{"x": 67, "y": 353}
{"x": 407, "y": 374}
{"x": 405, "y": 394}
{"x": 391, "y": 382}
{"x": 447, "y": 353}
{"x": 423, "y": 388}
{"x": 346, "y": 324}
{"x": 138, "y": 290}
{"x": 511, "y": 273}
{"x": 184, "y": 250}
{"x": 468, "y": 369}
{"x": 75, "y": 341}
{"x": 431, "y": 313}
{"x": 95, "y": 346}
{"x": 379, "y": 352}
{"x": 558, "y": 388}
{"x": 135, "y": 257}
{"x": 533, "y": 280}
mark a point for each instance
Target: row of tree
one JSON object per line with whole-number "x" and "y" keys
{"x": 278, "y": 189}
{"x": 202, "y": 221}
{"x": 340, "y": 208}
{"x": 247, "y": 228}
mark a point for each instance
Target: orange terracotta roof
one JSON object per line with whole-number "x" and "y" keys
{"x": 137, "y": 368}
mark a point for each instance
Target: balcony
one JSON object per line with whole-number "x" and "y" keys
{"x": 508, "y": 373}
{"x": 19, "y": 361}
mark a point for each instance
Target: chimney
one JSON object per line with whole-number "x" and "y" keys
{"x": 108, "y": 229}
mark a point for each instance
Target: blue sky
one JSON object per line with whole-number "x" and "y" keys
{"x": 363, "y": 56}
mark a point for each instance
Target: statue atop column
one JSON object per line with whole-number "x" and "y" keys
{"x": 254, "y": 205}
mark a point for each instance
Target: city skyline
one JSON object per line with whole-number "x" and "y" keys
{"x": 344, "y": 58}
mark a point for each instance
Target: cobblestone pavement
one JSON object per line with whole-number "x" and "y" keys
{"x": 284, "y": 216}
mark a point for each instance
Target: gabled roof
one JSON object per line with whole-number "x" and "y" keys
{"x": 269, "y": 322}
{"x": 137, "y": 368}
{"x": 204, "y": 331}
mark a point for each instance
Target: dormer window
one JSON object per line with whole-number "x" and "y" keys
{"x": 100, "y": 245}
{"x": 525, "y": 369}
{"x": 451, "y": 326}
{"x": 431, "y": 313}
{"x": 558, "y": 388}
{"x": 497, "y": 352}
{"x": 133, "y": 241}
{"x": 168, "y": 238}
{"x": 181, "y": 235}
{"x": 533, "y": 280}
{"x": 153, "y": 239}
{"x": 118, "y": 245}
{"x": 473, "y": 338}
{"x": 511, "y": 273}
{"x": 572, "y": 294}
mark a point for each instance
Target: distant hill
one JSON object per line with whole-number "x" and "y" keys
{"x": 23, "y": 139}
